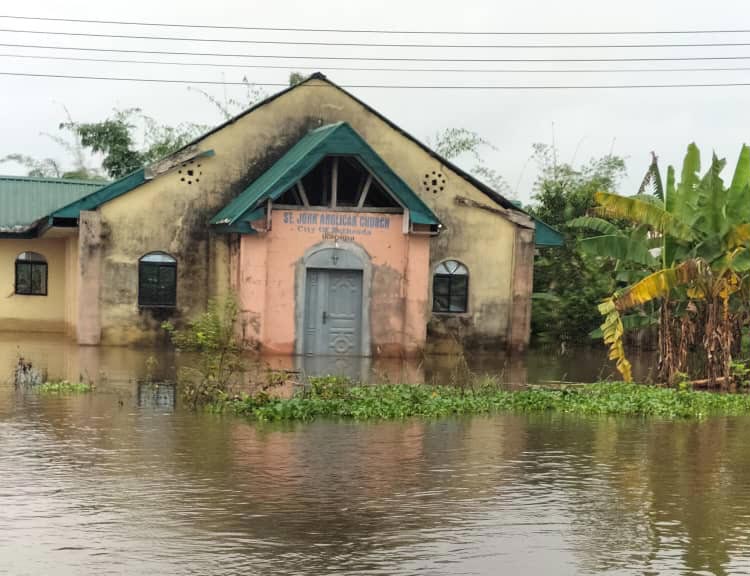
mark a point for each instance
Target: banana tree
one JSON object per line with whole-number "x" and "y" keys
{"x": 702, "y": 231}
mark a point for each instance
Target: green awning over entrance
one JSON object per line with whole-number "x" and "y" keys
{"x": 338, "y": 139}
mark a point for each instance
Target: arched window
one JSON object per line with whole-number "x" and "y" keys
{"x": 450, "y": 287}
{"x": 31, "y": 274}
{"x": 157, "y": 280}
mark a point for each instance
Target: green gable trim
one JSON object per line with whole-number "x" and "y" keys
{"x": 338, "y": 139}
{"x": 115, "y": 189}
{"x": 241, "y": 226}
{"x": 545, "y": 236}
{"x": 93, "y": 201}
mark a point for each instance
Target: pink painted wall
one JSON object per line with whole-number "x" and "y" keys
{"x": 267, "y": 265}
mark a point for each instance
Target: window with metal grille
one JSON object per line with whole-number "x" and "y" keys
{"x": 31, "y": 274}
{"x": 157, "y": 280}
{"x": 450, "y": 287}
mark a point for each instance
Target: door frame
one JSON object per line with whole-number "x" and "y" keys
{"x": 332, "y": 255}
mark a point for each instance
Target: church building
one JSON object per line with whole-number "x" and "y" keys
{"x": 336, "y": 232}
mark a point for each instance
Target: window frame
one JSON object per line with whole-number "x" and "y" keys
{"x": 31, "y": 265}
{"x": 450, "y": 280}
{"x": 158, "y": 265}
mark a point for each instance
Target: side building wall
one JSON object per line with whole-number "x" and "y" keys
{"x": 27, "y": 313}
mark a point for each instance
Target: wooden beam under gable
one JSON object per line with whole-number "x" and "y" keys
{"x": 514, "y": 216}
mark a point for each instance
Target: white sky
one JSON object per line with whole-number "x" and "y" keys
{"x": 586, "y": 122}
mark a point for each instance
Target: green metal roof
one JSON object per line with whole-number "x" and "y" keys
{"x": 339, "y": 138}
{"x": 24, "y": 201}
{"x": 546, "y": 236}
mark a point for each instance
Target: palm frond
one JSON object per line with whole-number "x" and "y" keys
{"x": 639, "y": 211}
{"x": 618, "y": 247}
{"x": 738, "y": 236}
{"x": 739, "y": 191}
{"x": 612, "y": 333}
{"x": 712, "y": 200}
{"x": 596, "y": 224}
{"x": 652, "y": 179}
{"x": 629, "y": 322}
{"x": 659, "y": 284}
{"x": 741, "y": 179}
{"x": 691, "y": 167}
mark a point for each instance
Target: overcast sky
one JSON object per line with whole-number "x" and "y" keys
{"x": 584, "y": 123}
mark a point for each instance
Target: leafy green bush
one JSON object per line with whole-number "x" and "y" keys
{"x": 63, "y": 387}
{"x": 212, "y": 336}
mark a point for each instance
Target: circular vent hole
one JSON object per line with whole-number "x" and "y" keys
{"x": 433, "y": 182}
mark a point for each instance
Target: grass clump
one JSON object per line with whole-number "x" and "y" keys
{"x": 336, "y": 398}
{"x": 63, "y": 387}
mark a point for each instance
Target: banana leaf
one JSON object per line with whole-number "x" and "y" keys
{"x": 596, "y": 224}
{"x": 642, "y": 212}
{"x": 658, "y": 284}
{"x": 620, "y": 248}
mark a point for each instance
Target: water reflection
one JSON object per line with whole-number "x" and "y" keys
{"x": 59, "y": 358}
{"x": 157, "y": 395}
{"x": 126, "y": 481}
{"x": 92, "y": 487}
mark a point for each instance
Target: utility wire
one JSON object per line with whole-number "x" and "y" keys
{"x": 356, "y": 69}
{"x": 378, "y": 30}
{"x": 377, "y": 58}
{"x": 374, "y": 45}
{"x": 391, "y": 86}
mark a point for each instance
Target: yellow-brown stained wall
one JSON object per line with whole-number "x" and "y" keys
{"x": 25, "y": 313}
{"x": 171, "y": 213}
{"x": 71, "y": 284}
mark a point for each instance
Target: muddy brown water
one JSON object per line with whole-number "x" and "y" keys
{"x": 123, "y": 481}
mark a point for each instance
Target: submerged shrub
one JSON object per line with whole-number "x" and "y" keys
{"x": 63, "y": 387}
{"x": 212, "y": 335}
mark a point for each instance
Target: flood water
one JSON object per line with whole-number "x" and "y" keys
{"x": 124, "y": 481}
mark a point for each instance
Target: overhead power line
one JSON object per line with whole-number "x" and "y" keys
{"x": 382, "y": 30}
{"x": 375, "y": 58}
{"x": 373, "y": 44}
{"x": 364, "y": 69}
{"x": 392, "y": 86}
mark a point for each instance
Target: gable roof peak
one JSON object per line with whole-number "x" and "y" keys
{"x": 330, "y": 140}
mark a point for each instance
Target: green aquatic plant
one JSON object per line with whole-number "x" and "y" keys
{"x": 63, "y": 387}
{"x": 360, "y": 402}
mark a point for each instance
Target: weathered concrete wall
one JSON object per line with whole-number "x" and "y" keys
{"x": 171, "y": 213}
{"x": 71, "y": 284}
{"x": 26, "y": 313}
{"x": 90, "y": 286}
{"x": 523, "y": 284}
{"x": 269, "y": 295}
